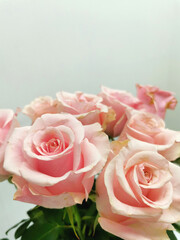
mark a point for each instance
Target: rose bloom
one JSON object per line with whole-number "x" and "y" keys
{"x": 150, "y": 128}
{"x": 138, "y": 193}
{"x": 8, "y": 122}
{"x": 40, "y": 106}
{"x": 156, "y": 100}
{"x": 54, "y": 161}
{"x": 119, "y": 101}
{"x": 87, "y": 108}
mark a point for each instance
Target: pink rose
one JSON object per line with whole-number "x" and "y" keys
{"x": 41, "y": 106}
{"x": 155, "y": 100}
{"x": 150, "y": 128}
{"x": 54, "y": 161}
{"x": 119, "y": 101}
{"x": 8, "y": 122}
{"x": 87, "y": 108}
{"x": 138, "y": 193}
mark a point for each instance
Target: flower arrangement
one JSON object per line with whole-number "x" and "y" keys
{"x": 97, "y": 166}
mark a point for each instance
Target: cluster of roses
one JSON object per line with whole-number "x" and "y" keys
{"x": 55, "y": 160}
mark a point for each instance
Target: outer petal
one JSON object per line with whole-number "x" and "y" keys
{"x": 8, "y": 122}
{"x": 14, "y": 151}
{"x": 59, "y": 201}
{"x": 137, "y": 230}
{"x": 172, "y": 214}
{"x": 168, "y": 142}
{"x": 54, "y": 120}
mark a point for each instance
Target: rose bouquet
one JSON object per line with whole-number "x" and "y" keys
{"x": 96, "y": 166}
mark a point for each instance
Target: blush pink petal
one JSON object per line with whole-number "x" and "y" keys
{"x": 57, "y": 167}
{"x": 170, "y": 149}
{"x": 140, "y": 231}
{"x": 59, "y": 201}
{"x": 8, "y": 122}
{"x": 168, "y": 142}
{"x": 68, "y": 184}
{"x": 95, "y": 135}
{"x": 65, "y": 100}
{"x": 172, "y": 214}
{"x": 92, "y": 158}
{"x": 14, "y": 151}
{"x": 121, "y": 176}
{"x": 159, "y": 198}
{"x": 90, "y": 117}
{"x": 102, "y": 201}
{"x": 175, "y": 171}
{"x": 149, "y": 157}
{"x": 54, "y": 120}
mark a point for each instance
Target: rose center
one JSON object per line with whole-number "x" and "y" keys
{"x": 52, "y": 146}
{"x": 151, "y": 123}
{"x": 147, "y": 174}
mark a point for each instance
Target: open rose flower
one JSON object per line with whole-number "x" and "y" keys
{"x": 150, "y": 128}
{"x": 40, "y": 106}
{"x": 8, "y": 122}
{"x": 119, "y": 101}
{"x": 156, "y": 100}
{"x": 87, "y": 108}
{"x": 138, "y": 193}
{"x": 54, "y": 161}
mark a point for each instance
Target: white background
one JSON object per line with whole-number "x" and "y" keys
{"x": 52, "y": 45}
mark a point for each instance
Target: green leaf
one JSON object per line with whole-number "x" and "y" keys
{"x": 92, "y": 197}
{"x": 44, "y": 231}
{"x": 4, "y": 239}
{"x": 71, "y": 219}
{"x": 17, "y": 224}
{"x": 10, "y": 179}
{"x": 53, "y": 215}
{"x": 36, "y": 215}
{"x": 171, "y": 235}
{"x": 177, "y": 161}
{"x": 21, "y": 229}
{"x": 177, "y": 226}
{"x": 77, "y": 216}
{"x": 95, "y": 224}
{"x": 84, "y": 229}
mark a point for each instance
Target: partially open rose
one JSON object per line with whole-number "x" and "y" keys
{"x": 138, "y": 193}
{"x": 119, "y": 101}
{"x": 150, "y": 128}
{"x": 87, "y": 108}
{"x": 54, "y": 161}
{"x": 156, "y": 100}
{"x": 40, "y": 106}
{"x": 8, "y": 122}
